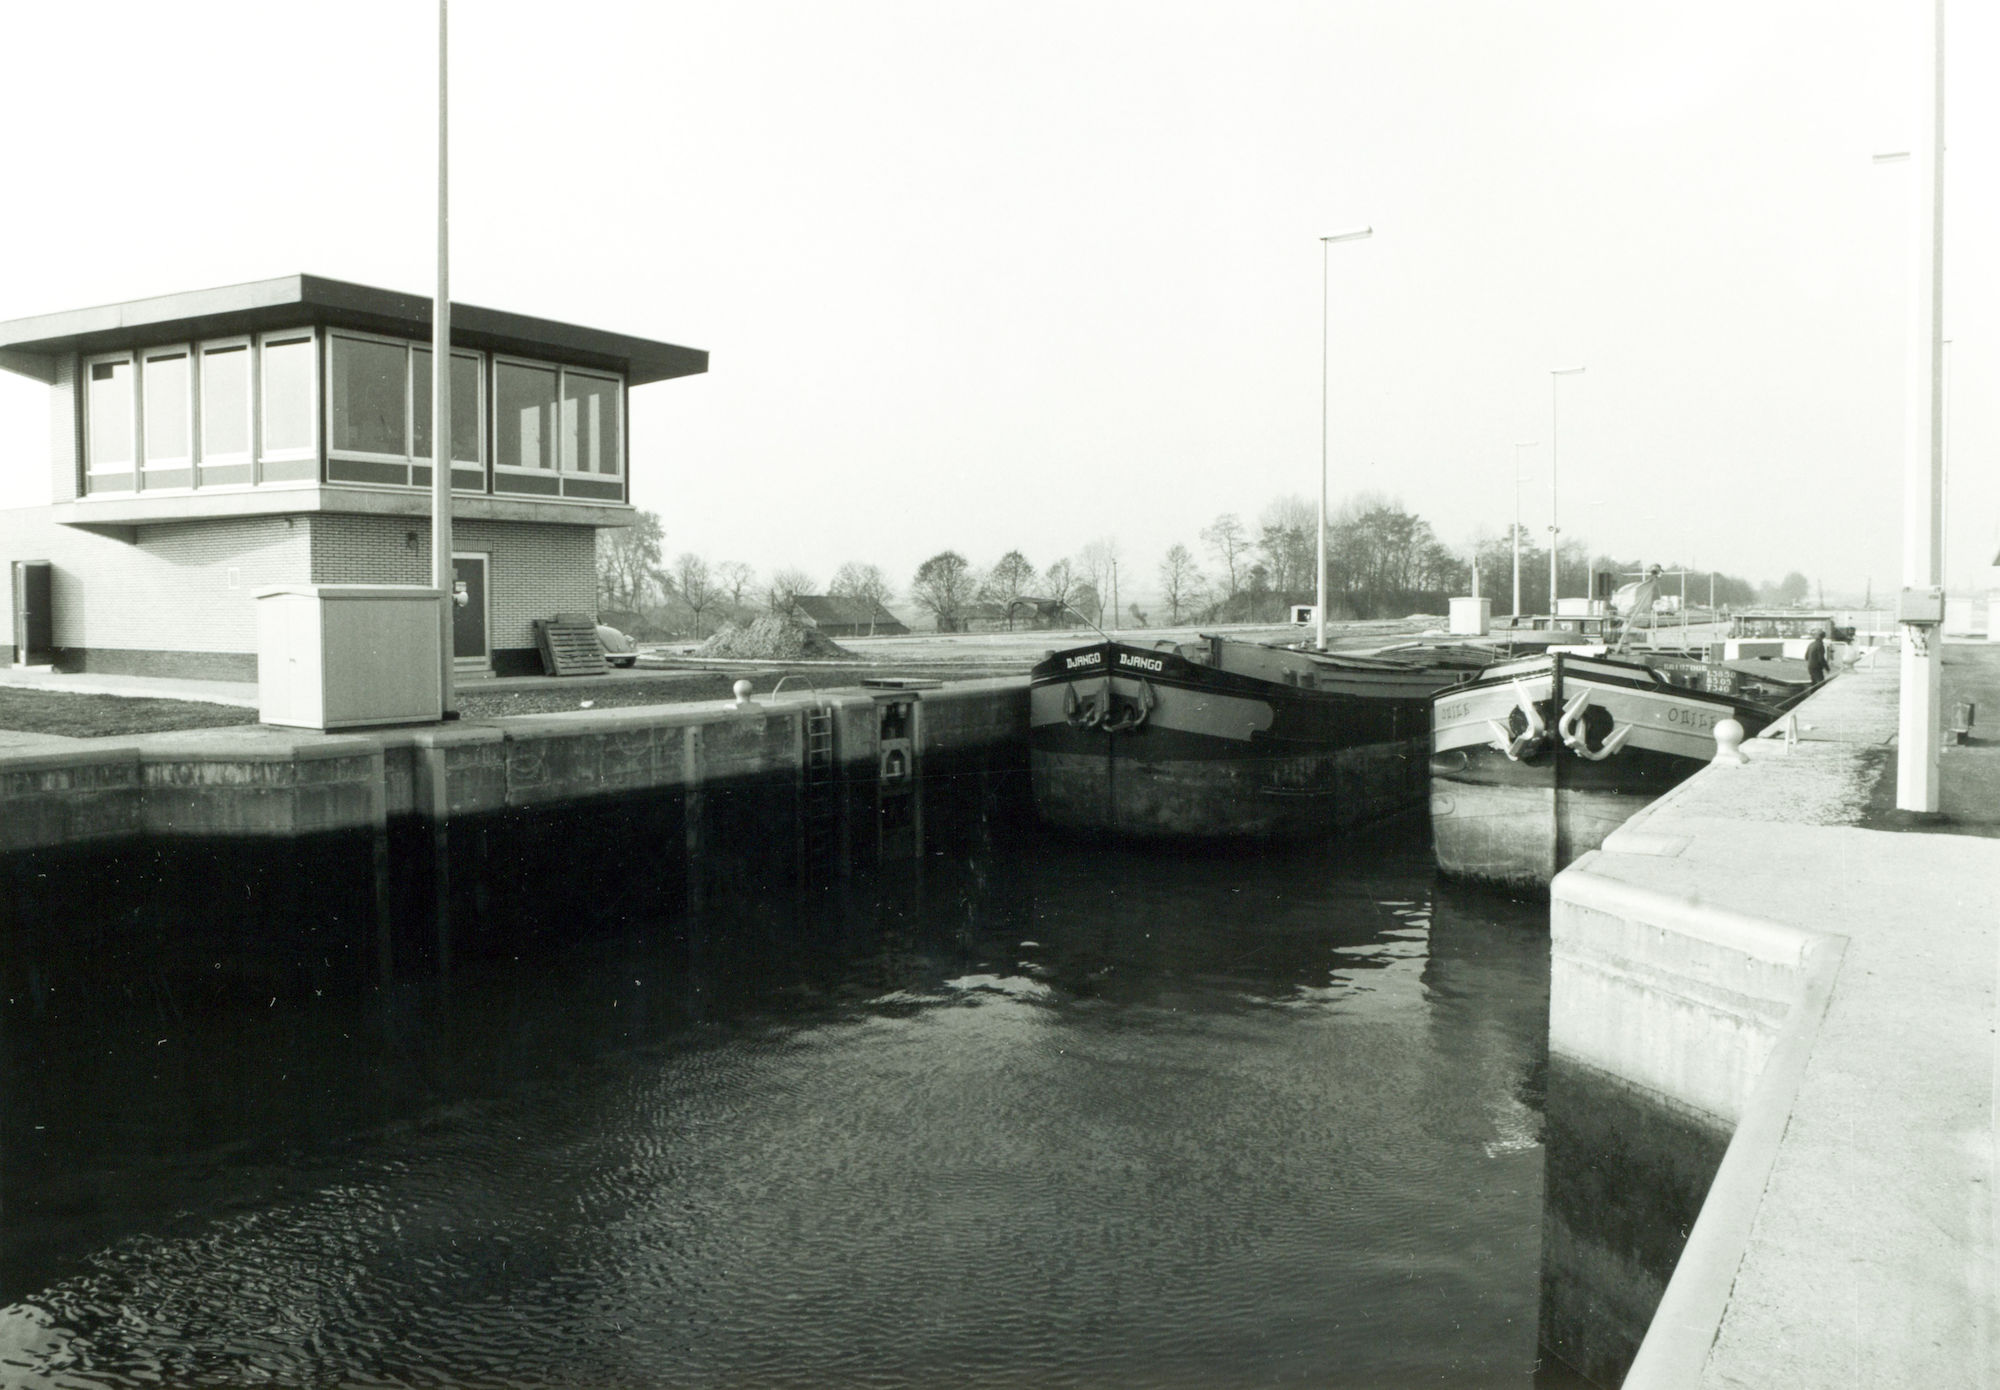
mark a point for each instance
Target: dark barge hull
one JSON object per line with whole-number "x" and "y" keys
{"x": 1143, "y": 743}
{"x": 1515, "y": 823}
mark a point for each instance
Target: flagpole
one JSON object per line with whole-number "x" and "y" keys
{"x": 442, "y": 572}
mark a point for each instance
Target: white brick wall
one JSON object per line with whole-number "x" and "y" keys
{"x": 186, "y": 586}
{"x": 536, "y": 571}
{"x": 179, "y": 587}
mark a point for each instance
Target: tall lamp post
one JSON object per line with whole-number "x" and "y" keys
{"x": 1555, "y": 530}
{"x": 442, "y": 573}
{"x": 1922, "y": 696}
{"x": 1524, "y": 444}
{"x": 1319, "y": 590}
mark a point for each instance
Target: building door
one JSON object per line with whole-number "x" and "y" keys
{"x": 470, "y": 628}
{"x": 34, "y": 615}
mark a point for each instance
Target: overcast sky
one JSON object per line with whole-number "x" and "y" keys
{"x": 1023, "y": 274}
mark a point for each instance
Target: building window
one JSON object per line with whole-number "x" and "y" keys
{"x": 467, "y": 407}
{"x": 142, "y": 424}
{"x": 111, "y": 414}
{"x": 524, "y": 416}
{"x": 379, "y": 393}
{"x": 370, "y": 396}
{"x": 225, "y": 402}
{"x": 167, "y": 409}
{"x": 591, "y": 439}
{"x": 290, "y": 403}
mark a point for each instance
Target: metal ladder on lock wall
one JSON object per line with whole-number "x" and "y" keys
{"x": 822, "y": 798}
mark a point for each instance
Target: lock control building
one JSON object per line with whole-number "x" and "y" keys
{"x": 205, "y": 445}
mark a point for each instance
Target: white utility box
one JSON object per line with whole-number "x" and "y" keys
{"x": 1470, "y": 617}
{"x": 340, "y": 656}
{"x": 1578, "y": 608}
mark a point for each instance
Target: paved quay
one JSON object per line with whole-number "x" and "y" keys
{"x": 243, "y": 694}
{"x": 1849, "y": 1237}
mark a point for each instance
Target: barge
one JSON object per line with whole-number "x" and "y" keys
{"x": 1229, "y": 740}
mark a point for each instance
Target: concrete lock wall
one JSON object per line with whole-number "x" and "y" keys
{"x": 451, "y": 806}
{"x": 1679, "y": 998}
{"x": 1669, "y": 1021}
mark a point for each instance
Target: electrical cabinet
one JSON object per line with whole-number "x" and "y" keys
{"x": 343, "y": 656}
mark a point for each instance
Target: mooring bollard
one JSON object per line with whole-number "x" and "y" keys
{"x": 743, "y": 700}
{"x": 1963, "y": 712}
{"x": 1729, "y": 742}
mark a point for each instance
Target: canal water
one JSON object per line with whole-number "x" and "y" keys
{"x": 1038, "y": 1115}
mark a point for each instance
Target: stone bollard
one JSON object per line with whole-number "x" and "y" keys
{"x": 1729, "y": 742}
{"x": 743, "y": 700}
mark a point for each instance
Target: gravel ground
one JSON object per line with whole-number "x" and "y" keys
{"x": 75, "y": 714}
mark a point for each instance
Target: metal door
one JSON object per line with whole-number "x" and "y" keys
{"x": 470, "y": 629}
{"x": 34, "y": 613}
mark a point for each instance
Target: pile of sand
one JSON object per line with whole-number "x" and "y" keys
{"x": 772, "y": 638}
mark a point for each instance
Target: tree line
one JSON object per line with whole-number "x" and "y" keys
{"x": 1382, "y": 561}
{"x": 688, "y": 595}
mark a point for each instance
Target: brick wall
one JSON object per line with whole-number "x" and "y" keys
{"x": 187, "y": 586}
{"x": 181, "y": 587}
{"x": 536, "y": 569}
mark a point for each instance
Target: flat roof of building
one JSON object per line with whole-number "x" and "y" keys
{"x": 32, "y": 346}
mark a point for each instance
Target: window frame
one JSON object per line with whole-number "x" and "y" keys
{"x": 167, "y": 352}
{"x": 311, "y": 449}
{"x": 333, "y": 451}
{"x": 130, "y": 357}
{"x": 248, "y": 454}
{"x": 617, "y": 382}
{"x": 554, "y": 470}
{"x": 478, "y": 360}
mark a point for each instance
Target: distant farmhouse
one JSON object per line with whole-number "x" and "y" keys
{"x": 1026, "y": 614}
{"x": 984, "y": 615}
{"x": 205, "y": 445}
{"x": 848, "y": 617}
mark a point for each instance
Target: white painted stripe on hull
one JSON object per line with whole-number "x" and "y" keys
{"x": 1663, "y": 720}
{"x": 1187, "y": 711}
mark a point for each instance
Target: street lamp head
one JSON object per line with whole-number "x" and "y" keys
{"x": 1564, "y": 371}
{"x": 1354, "y": 235}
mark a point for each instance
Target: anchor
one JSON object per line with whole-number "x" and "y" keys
{"x": 1575, "y": 739}
{"x": 1517, "y": 747}
{"x": 1106, "y": 710}
{"x": 1129, "y": 714}
{"x": 1086, "y": 714}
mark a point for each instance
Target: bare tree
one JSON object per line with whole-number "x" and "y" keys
{"x": 1097, "y": 562}
{"x": 945, "y": 584}
{"x": 628, "y": 564}
{"x": 1010, "y": 578}
{"x": 784, "y": 588}
{"x": 1381, "y": 559}
{"x": 1059, "y": 585}
{"x": 1087, "y": 603}
{"x": 1180, "y": 581}
{"x": 1227, "y": 541}
{"x": 864, "y": 582}
{"x": 1286, "y": 544}
{"x": 856, "y": 580}
{"x": 734, "y": 578}
{"x": 696, "y": 585}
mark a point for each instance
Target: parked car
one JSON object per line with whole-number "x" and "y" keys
{"x": 618, "y": 648}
